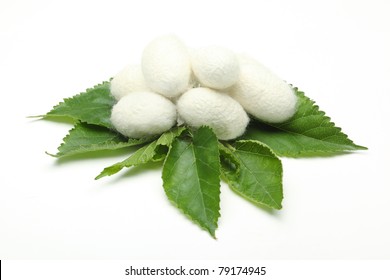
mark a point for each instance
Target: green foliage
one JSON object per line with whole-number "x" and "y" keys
{"x": 308, "y": 133}
{"x": 141, "y": 156}
{"x": 260, "y": 174}
{"x": 92, "y": 107}
{"x": 83, "y": 138}
{"x": 230, "y": 164}
{"x": 147, "y": 153}
{"x": 194, "y": 160}
{"x": 191, "y": 177}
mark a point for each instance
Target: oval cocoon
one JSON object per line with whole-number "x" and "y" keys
{"x": 166, "y": 66}
{"x": 203, "y": 106}
{"x": 263, "y": 94}
{"x": 128, "y": 80}
{"x": 143, "y": 114}
{"x": 215, "y": 67}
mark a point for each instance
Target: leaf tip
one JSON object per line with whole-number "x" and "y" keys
{"x": 278, "y": 207}
{"x": 35, "y": 117}
{"x": 102, "y": 174}
{"x": 363, "y": 148}
{"x": 212, "y": 233}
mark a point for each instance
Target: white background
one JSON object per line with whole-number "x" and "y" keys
{"x": 334, "y": 207}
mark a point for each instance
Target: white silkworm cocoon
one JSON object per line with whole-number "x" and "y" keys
{"x": 204, "y": 106}
{"x": 128, "y": 80}
{"x": 215, "y": 67}
{"x": 143, "y": 114}
{"x": 263, "y": 94}
{"x": 166, "y": 66}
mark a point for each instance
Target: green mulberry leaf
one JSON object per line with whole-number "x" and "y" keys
{"x": 83, "y": 138}
{"x": 92, "y": 107}
{"x": 191, "y": 177}
{"x": 154, "y": 151}
{"x": 309, "y": 132}
{"x": 260, "y": 174}
{"x": 141, "y": 156}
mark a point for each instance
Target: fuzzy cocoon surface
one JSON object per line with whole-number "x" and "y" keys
{"x": 263, "y": 94}
{"x": 215, "y": 67}
{"x": 166, "y": 66}
{"x": 203, "y": 106}
{"x": 128, "y": 80}
{"x": 143, "y": 114}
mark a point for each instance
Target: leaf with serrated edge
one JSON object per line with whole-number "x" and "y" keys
{"x": 141, "y": 156}
{"x": 260, "y": 176}
{"x": 191, "y": 177}
{"x": 92, "y": 107}
{"x": 309, "y": 132}
{"x": 84, "y": 138}
{"x": 149, "y": 152}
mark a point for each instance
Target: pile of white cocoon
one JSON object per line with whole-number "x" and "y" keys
{"x": 210, "y": 86}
